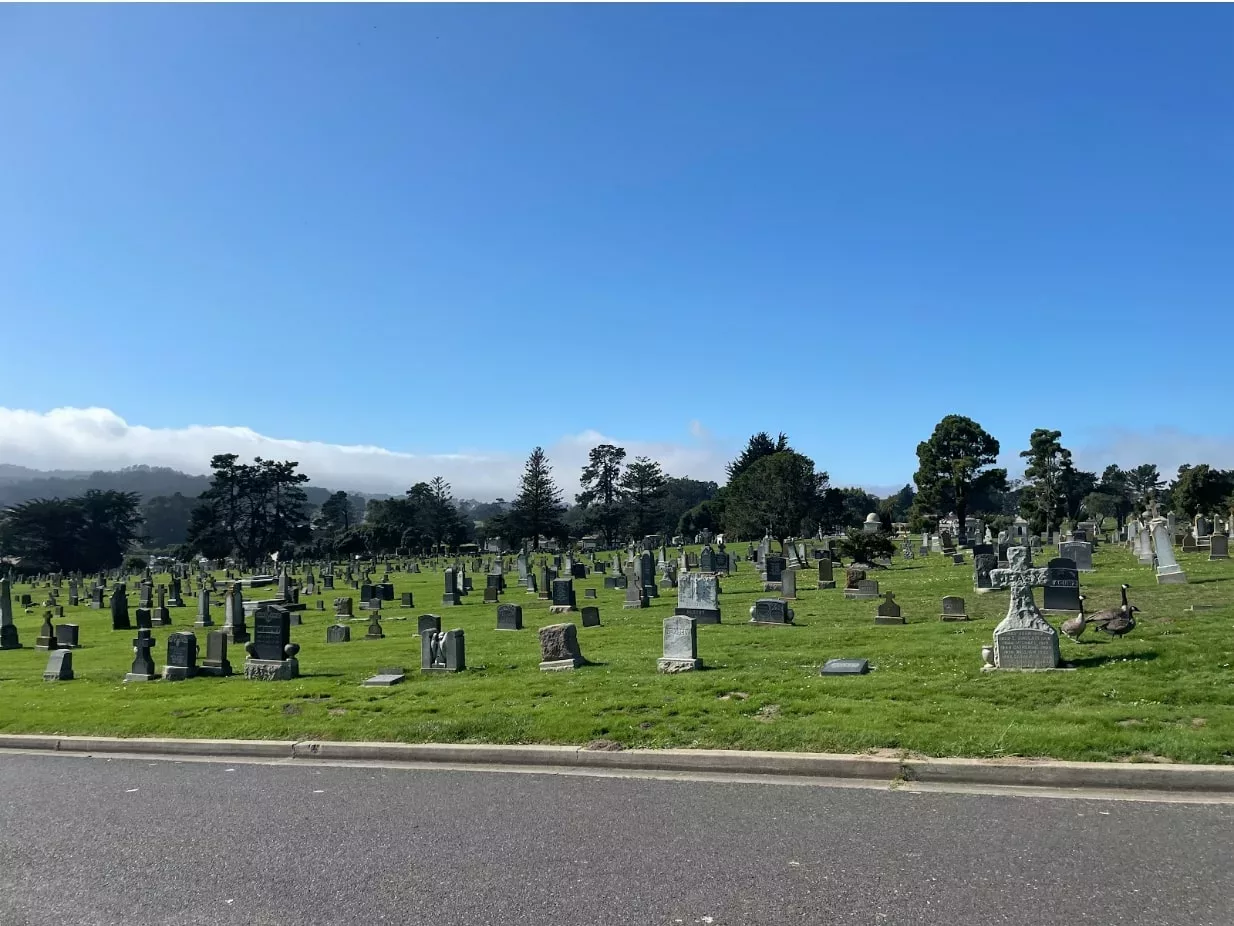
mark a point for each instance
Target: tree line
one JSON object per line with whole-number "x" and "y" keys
{"x": 251, "y": 511}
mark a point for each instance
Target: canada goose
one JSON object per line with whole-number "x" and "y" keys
{"x": 1074, "y": 627}
{"x": 1116, "y": 621}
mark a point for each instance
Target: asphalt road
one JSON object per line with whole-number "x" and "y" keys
{"x": 134, "y": 841}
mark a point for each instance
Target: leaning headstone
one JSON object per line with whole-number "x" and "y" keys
{"x": 215, "y": 662}
{"x": 1168, "y": 570}
{"x": 680, "y": 645}
{"x": 559, "y": 648}
{"x": 442, "y": 652}
{"x": 143, "y": 662}
{"x": 888, "y": 611}
{"x": 59, "y": 666}
{"x": 181, "y": 657}
{"x": 826, "y": 576}
{"x": 591, "y": 616}
{"x": 1023, "y": 639}
{"x": 698, "y": 597}
{"x": 1062, "y": 585}
{"x": 953, "y": 609}
{"x": 771, "y": 611}
{"x": 509, "y": 617}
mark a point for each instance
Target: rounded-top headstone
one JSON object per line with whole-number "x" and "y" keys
{"x": 871, "y": 518}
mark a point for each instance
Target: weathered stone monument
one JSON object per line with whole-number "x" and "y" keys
{"x": 559, "y": 648}
{"x": 563, "y": 597}
{"x": 1061, "y": 590}
{"x": 451, "y": 596}
{"x": 680, "y": 645}
{"x": 271, "y": 654}
{"x": 442, "y": 652}
{"x": 771, "y": 611}
{"x": 143, "y": 662}
{"x": 216, "y": 662}
{"x": 1080, "y": 552}
{"x": 120, "y": 609}
{"x": 59, "y": 666}
{"x": 826, "y": 574}
{"x": 698, "y": 597}
{"x": 1023, "y": 639}
{"x": 888, "y": 611}
{"x": 509, "y": 617}
{"x": 953, "y": 609}
{"x": 181, "y": 657}
{"x": 1168, "y": 570}
{"x": 8, "y": 630}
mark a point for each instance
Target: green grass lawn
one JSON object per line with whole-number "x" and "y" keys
{"x": 1164, "y": 692}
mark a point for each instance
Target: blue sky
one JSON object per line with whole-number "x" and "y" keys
{"x": 455, "y": 232}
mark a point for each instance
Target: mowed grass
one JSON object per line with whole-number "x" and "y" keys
{"x": 1166, "y": 692}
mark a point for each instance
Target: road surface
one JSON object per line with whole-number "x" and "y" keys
{"x": 140, "y": 841}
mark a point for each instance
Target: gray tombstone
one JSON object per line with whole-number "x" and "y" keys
{"x": 636, "y": 593}
{"x": 591, "y": 616}
{"x": 120, "y": 609}
{"x": 864, "y": 589}
{"x": 385, "y": 677}
{"x": 181, "y": 657}
{"x": 559, "y": 648}
{"x": 338, "y": 633}
{"x": 59, "y": 666}
{"x": 442, "y": 652}
{"x": 698, "y": 595}
{"x": 788, "y": 585}
{"x": 408, "y": 600}
{"x": 647, "y": 575}
{"x": 428, "y": 622}
{"x": 826, "y": 574}
{"x": 271, "y": 654}
{"x": 983, "y": 565}
{"x": 888, "y": 611}
{"x": 771, "y": 611}
{"x": 509, "y": 617}
{"x": 845, "y": 667}
{"x": 451, "y": 596}
{"x": 1219, "y": 547}
{"x": 773, "y": 571}
{"x": 215, "y": 662}
{"x": 1023, "y": 639}
{"x": 68, "y": 636}
{"x": 143, "y": 662}
{"x": 680, "y": 645}
{"x": 203, "y": 609}
{"x": 563, "y": 597}
{"x": 953, "y": 609}
{"x": 1080, "y": 552}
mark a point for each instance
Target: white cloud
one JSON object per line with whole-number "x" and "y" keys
{"x": 98, "y": 438}
{"x": 1169, "y": 448}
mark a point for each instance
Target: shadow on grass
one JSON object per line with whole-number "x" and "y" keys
{"x": 1091, "y": 662}
{"x": 1208, "y": 579}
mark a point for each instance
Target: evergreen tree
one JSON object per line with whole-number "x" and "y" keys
{"x": 537, "y": 511}
{"x": 601, "y": 496}
{"x": 643, "y": 484}
{"x": 1044, "y": 499}
{"x": 251, "y": 510}
{"x": 760, "y": 445}
{"x": 952, "y": 465}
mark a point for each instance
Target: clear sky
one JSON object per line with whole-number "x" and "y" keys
{"x": 466, "y": 230}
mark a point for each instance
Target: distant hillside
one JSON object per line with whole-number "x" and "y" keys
{"x": 19, "y": 484}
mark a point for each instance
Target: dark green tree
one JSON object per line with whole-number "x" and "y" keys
{"x": 537, "y": 511}
{"x": 778, "y": 493}
{"x": 863, "y": 546}
{"x": 1201, "y": 489}
{"x": 681, "y": 493}
{"x": 601, "y": 498}
{"x": 89, "y": 533}
{"x": 760, "y": 445}
{"x": 642, "y": 486}
{"x": 1144, "y": 482}
{"x": 1044, "y": 499}
{"x": 167, "y": 519}
{"x": 253, "y": 510}
{"x": 955, "y": 462}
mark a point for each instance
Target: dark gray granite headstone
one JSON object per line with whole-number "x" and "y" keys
{"x": 271, "y": 633}
{"x": 59, "y": 666}
{"x": 442, "y": 652}
{"x": 509, "y": 617}
{"x": 216, "y": 662}
{"x": 428, "y": 622}
{"x": 845, "y": 667}
{"x": 591, "y": 616}
{"x": 771, "y": 611}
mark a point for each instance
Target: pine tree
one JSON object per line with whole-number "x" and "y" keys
{"x": 601, "y": 495}
{"x": 643, "y": 486}
{"x": 537, "y": 510}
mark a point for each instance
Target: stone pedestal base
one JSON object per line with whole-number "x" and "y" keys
{"x": 450, "y": 601}
{"x": 1172, "y": 576}
{"x": 46, "y": 644}
{"x": 881, "y": 620}
{"x": 953, "y": 617}
{"x": 672, "y": 666}
{"x": 560, "y": 665}
{"x": 218, "y": 671}
{"x": 271, "y": 670}
{"x": 206, "y": 623}
{"x": 178, "y": 673}
{"x": 825, "y": 585}
{"x": 8, "y": 637}
{"x": 139, "y": 677}
{"x": 562, "y": 609}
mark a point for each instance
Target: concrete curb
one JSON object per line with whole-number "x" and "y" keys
{"x": 1213, "y": 779}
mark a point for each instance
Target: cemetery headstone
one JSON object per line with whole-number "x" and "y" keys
{"x": 59, "y": 666}
{"x": 428, "y": 622}
{"x": 636, "y": 593}
{"x": 865, "y": 588}
{"x": 451, "y": 596}
{"x": 385, "y": 677}
{"x": 442, "y": 652}
{"x": 888, "y": 611}
{"x": 774, "y": 572}
{"x": 338, "y": 633}
{"x": 1168, "y": 570}
{"x": 1219, "y": 547}
{"x": 271, "y": 654}
{"x": 591, "y": 616}
{"x": 983, "y": 565}
{"x": 374, "y": 628}
{"x": 845, "y": 667}
{"x": 68, "y": 636}
{"x": 1080, "y": 552}
{"x": 788, "y": 584}
{"x": 826, "y": 575}
{"x": 953, "y": 609}
{"x": 9, "y": 638}
{"x": 120, "y": 610}
{"x": 509, "y": 617}
{"x": 143, "y": 662}
{"x": 771, "y": 611}
{"x": 47, "y": 635}
{"x": 559, "y": 648}
{"x": 181, "y": 657}
{"x": 563, "y": 597}
{"x": 234, "y": 624}
{"x": 1062, "y": 585}
{"x": 680, "y": 645}
{"x": 203, "y": 609}
{"x": 698, "y": 595}
{"x": 1023, "y": 639}
{"x": 408, "y": 600}
{"x": 216, "y": 662}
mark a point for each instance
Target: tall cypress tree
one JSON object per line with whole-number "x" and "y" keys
{"x": 537, "y": 510}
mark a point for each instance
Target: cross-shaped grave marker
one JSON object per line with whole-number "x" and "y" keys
{"x": 1024, "y": 639}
